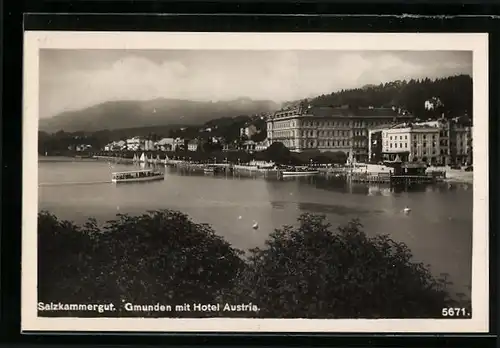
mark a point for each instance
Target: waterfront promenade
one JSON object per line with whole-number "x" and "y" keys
{"x": 359, "y": 173}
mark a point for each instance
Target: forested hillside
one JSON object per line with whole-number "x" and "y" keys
{"x": 451, "y": 95}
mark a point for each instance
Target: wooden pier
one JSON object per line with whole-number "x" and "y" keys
{"x": 389, "y": 178}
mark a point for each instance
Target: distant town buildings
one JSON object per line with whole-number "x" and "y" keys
{"x": 329, "y": 128}
{"x": 116, "y": 146}
{"x": 135, "y": 144}
{"x": 367, "y": 134}
{"x": 80, "y": 147}
{"x": 249, "y": 146}
{"x": 261, "y": 145}
{"x": 165, "y": 144}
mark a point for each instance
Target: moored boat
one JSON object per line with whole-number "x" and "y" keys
{"x": 209, "y": 170}
{"x": 137, "y": 176}
{"x": 300, "y": 172}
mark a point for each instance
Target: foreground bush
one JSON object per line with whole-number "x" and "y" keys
{"x": 160, "y": 257}
{"x": 313, "y": 271}
{"x": 308, "y": 271}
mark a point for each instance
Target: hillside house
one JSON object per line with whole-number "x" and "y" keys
{"x": 165, "y": 144}
{"x": 116, "y": 146}
{"x": 83, "y": 147}
{"x": 248, "y": 131}
{"x": 193, "y": 145}
{"x": 135, "y": 144}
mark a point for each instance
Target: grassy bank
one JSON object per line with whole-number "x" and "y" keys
{"x": 163, "y": 257}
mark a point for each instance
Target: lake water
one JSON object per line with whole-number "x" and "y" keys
{"x": 438, "y": 230}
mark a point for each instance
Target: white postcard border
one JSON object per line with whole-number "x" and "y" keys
{"x": 477, "y": 43}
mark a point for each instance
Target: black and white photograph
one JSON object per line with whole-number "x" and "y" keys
{"x": 255, "y": 182}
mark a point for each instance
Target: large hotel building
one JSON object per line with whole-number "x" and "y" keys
{"x": 329, "y": 128}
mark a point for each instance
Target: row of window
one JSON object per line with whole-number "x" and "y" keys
{"x": 350, "y": 124}
{"x": 460, "y": 137}
{"x": 335, "y": 133}
{"x": 460, "y": 150}
{"x": 285, "y": 124}
{"x": 310, "y": 133}
{"x": 325, "y": 143}
{"x": 396, "y": 145}
{"x": 286, "y": 113}
{"x": 395, "y": 137}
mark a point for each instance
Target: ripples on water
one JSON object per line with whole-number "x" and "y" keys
{"x": 438, "y": 230}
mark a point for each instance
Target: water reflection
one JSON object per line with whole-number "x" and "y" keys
{"x": 345, "y": 186}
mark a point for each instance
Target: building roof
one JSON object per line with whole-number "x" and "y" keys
{"x": 165, "y": 141}
{"x": 326, "y": 111}
{"x": 415, "y": 165}
{"x": 349, "y": 112}
{"x": 424, "y": 128}
{"x": 381, "y": 127}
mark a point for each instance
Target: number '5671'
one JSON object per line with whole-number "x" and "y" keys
{"x": 455, "y": 312}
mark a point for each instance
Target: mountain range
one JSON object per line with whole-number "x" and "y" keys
{"x": 157, "y": 112}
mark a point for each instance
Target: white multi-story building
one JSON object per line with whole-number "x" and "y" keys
{"x": 165, "y": 144}
{"x": 440, "y": 142}
{"x": 116, "y": 146}
{"x": 135, "y": 144}
{"x": 149, "y": 145}
{"x": 248, "y": 131}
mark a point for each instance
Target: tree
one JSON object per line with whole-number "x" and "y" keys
{"x": 308, "y": 271}
{"x": 278, "y": 153}
{"x": 312, "y": 271}
{"x": 454, "y": 94}
{"x": 338, "y": 157}
{"x": 259, "y": 136}
{"x": 157, "y": 257}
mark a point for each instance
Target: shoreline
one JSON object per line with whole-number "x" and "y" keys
{"x": 453, "y": 176}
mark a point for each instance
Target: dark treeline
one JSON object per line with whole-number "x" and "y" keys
{"x": 309, "y": 271}
{"x": 455, "y": 94}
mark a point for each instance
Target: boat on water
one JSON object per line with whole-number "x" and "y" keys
{"x": 137, "y": 176}
{"x": 300, "y": 172}
{"x": 209, "y": 170}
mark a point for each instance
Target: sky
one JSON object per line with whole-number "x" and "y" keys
{"x": 76, "y": 79}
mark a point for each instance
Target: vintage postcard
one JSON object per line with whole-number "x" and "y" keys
{"x": 253, "y": 182}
